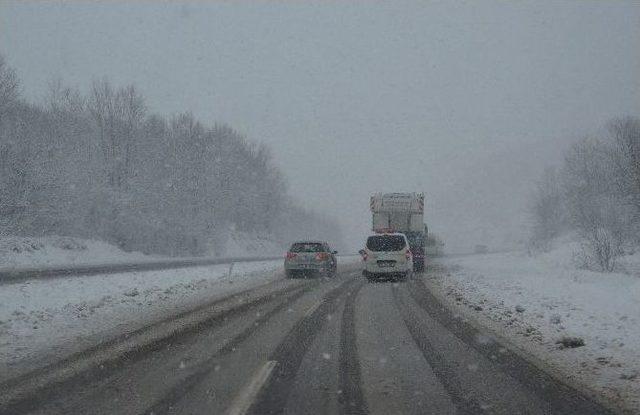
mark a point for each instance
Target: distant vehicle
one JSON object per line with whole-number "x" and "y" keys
{"x": 404, "y": 213}
{"x": 310, "y": 258}
{"x": 481, "y": 249}
{"x": 387, "y": 255}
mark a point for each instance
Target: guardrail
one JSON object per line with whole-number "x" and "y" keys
{"x": 10, "y": 276}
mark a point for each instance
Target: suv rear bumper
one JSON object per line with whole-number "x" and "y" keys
{"x": 313, "y": 266}
{"x": 304, "y": 267}
{"x": 399, "y": 268}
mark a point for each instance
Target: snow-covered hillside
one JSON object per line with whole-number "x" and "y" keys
{"x": 541, "y": 301}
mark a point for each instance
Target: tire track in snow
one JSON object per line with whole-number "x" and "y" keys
{"x": 289, "y": 354}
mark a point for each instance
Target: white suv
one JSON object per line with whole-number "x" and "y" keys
{"x": 387, "y": 255}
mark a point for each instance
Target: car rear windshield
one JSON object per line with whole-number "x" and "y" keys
{"x": 385, "y": 243}
{"x": 306, "y": 247}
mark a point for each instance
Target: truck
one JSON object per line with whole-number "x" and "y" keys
{"x": 404, "y": 213}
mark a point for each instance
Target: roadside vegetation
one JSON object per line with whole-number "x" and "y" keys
{"x": 101, "y": 165}
{"x": 594, "y": 194}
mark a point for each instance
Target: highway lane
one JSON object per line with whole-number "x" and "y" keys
{"x": 338, "y": 345}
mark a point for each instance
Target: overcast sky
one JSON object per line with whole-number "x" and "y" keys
{"x": 464, "y": 101}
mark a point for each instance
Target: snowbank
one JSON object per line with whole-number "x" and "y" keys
{"x": 55, "y": 251}
{"x": 49, "y": 251}
{"x": 44, "y": 320}
{"x": 540, "y": 300}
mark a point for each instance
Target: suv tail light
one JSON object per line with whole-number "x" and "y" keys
{"x": 291, "y": 255}
{"x": 322, "y": 256}
{"x": 407, "y": 254}
{"x": 364, "y": 256}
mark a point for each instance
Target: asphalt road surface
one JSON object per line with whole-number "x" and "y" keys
{"x": 323, "y": 346}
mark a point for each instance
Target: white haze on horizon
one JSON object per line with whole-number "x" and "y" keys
{"x": 467, "y": 102}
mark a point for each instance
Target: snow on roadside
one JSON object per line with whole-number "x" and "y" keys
{"x": 537, "y": 301}
{"x": 54, "y": 251}
{"x": 44, "y": 320}
{"x": 50, "y": 251}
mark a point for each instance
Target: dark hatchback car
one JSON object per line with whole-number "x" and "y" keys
{"x": 310, "y": 258}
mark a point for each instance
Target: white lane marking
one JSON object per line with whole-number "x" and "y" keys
{"x": 248, "y": 394}
{"x": 313, "y": 308}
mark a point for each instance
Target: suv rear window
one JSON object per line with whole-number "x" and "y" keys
{"x": 306, "y": 247}
{"x": 380, "y": 243}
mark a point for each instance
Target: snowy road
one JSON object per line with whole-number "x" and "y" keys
{"x": 302, "y": 346}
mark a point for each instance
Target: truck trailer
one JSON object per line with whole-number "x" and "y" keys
{"x": 404, "y": 213}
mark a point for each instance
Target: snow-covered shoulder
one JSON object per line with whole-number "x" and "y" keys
{"x": 54, "y": 251}
{"x": 42, "y": 321}
{"x": 585, "y": 323}
{"x": 19, "y": 252}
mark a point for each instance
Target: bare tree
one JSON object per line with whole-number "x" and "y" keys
{"x": 548, "y": 210}
{"x": 594, "y": 203}
{"x": 99, "y": 166}
{"x": 625, "y": 137}
{"x": 8, "y": 88}
{"x": 119, "y": 115}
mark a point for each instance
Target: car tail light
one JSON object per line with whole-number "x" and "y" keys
{"x": 291, "y": 255}
{"x": 407, "y": 254}
{"x": 322, "y": 256}
{"x": 364, "y": 256}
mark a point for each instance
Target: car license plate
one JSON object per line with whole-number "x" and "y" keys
{"x": 386, "y": 264}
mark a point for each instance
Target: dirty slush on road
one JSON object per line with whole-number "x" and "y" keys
{"x": 339, "y": 345}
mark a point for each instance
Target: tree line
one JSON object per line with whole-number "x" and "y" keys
{"x": 101, "y": 165}
{"x": 595, "y": 193}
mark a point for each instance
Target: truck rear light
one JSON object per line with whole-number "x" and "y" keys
{"x": 291, "y": 255}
